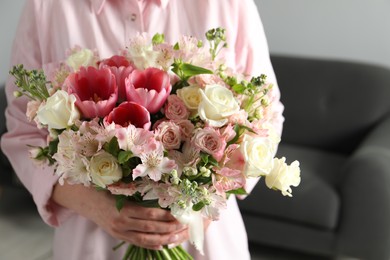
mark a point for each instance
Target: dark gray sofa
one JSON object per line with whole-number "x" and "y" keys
{"x": 338, "y": 126}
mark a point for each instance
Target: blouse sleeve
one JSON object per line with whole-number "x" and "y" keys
{"x": 38, "y": 179}
{"x": 253, "y": 58}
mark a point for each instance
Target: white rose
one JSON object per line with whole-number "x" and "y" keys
{"x": 218, "y": 103}
{"x": 258, "y": 154}
{"x": 59, "y": 111}
{"x": 82, "y": 58}
{"x": 105, "y": 169}
{"x": 191, "y": 97}
{"x": 283, "y": 176}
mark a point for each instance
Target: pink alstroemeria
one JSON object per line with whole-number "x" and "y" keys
{"x": 121, "y": 67}
{"x": 149, "y": 88}
{"x": 129, "y": 113}
{"x": 131, "y": 138}
{"x": 154, "y": 164}
{"x": 95, "y": 90}
{"x": 227, "y": 179}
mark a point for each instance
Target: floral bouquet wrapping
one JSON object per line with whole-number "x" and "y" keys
{"x": 164, "y": 125}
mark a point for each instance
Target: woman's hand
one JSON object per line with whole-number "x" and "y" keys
{"x": 145, "y": 227}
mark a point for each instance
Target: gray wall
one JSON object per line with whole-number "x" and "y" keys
{"x": 347, "y": 29}
{"x": 9, "y": 15}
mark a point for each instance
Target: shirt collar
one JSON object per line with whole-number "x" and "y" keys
{"x": 98, "y": 5}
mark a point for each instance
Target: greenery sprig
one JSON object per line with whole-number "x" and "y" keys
{"x": 31, "y": 83}
{"x": 215, "y": 37}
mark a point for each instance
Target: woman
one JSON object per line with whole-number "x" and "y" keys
{"x": 86, "y": 221}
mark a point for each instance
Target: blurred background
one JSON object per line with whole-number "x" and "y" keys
{"x": 349, "y": 30}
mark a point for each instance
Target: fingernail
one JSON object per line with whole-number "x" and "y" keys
{"x": 173, "y": 239}
{"x": 170, "y": 246}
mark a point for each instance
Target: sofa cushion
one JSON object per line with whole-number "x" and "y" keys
{"x": 330, "y": 104}
{"x": 315, "y": 201}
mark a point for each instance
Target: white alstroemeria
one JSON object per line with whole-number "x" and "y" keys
{"x": 142, "y": 54}
{"x": 194, "y": 221}
{"x": 283, "y": 176}
{"x": 81, "y": 58}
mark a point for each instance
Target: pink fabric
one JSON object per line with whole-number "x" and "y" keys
{"x": 48, "y": 28}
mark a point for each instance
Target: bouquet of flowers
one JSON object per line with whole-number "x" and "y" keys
{"x": 169, "y": 126}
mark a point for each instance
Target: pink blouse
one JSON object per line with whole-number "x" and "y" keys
{"x": 48, "y": 28}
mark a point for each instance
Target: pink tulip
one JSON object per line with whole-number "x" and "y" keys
{"x": 115, "y": 61}
{"x": 121, "y": 67}
{"x": 149, "y": 88}
{"x": 129, "y": 113}
{"x": 95, "y": 90}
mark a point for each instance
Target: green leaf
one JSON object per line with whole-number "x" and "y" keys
{"x": 124, "y": 156}
{"x": 53, "y": 146}
{"x": 198, "y": 206}
{"x": 158, "y": 38}
{"x": 120, "y": 201}
{"x": 205, "y": 158}
{"x": 240, "y": 130}
{"x": 212, "y": 161}
{"x": 192, "y": 70}
{"x": 112, "y": 147}
{"x": 185, "y": 70}
{"x": 239, "y": 191}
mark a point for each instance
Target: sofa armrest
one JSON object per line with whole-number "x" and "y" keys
{"x": 365, "y": 193}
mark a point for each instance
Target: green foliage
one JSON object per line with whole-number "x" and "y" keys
{"x": 158, "y": 38}
{"x": 198, "y": 206}
{"x": 185, "y": 71}
{"x": 216, "y": 37}
{"x": 124, "y": 156}
{"x": 120, "y": 201}
{"x": 240, "y": 130}
{"x": 239, "y": 191}
{"x": 112, "y": 147}
{"x": 32, "y": 83}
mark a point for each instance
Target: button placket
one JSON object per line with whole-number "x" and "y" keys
{"x": 133, "y": 18}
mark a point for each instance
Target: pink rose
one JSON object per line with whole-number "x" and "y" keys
{"x": 95, "y": 90}
{"x": 186, "y": 128}
{"x": 121, "y": 67}
{"x": 169, "y": 134}
{"x": 227, "y": 179}
{"x": 175, "y": 108}
{"x": 210, "y": 141}
{"x": 149, "y": 88}
{"x": 129, "y": 113}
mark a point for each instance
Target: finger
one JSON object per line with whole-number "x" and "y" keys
{"x": 133, "y": 210}
{"x": 152, "y": 226}
{"x": 155, "y": 241}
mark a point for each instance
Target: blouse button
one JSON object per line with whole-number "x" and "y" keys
{"x": 133, "y": 17}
